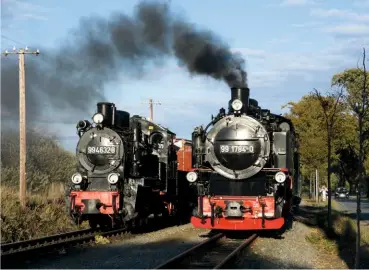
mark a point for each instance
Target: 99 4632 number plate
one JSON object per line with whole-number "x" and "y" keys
{"x": 236, "y": 149}
{"x": 101, "y": 150}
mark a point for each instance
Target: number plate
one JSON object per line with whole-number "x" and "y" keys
{"x": 101, "y": 150}
{"x": 236, "y": 149}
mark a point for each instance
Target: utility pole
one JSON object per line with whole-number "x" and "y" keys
{"x": 151, "y": 107}
{"x": 22, "y": 121}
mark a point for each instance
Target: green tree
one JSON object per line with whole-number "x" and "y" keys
{"x": 352, "y": 81}
{"x": 356, "y": 84}
{"x": 332, "y": 108}
{"x": 308, "y": 124}
{"x": 347, "y": 163}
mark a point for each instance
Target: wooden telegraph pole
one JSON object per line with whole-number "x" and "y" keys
{"x": 22, "y": 121}
{"x": 151, "y": 107}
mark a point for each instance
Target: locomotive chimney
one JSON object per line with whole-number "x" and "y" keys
{"x": 241, "y": 93}
{"x": 108, "y": 110}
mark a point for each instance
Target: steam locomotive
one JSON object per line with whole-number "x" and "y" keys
{"x": 127, "y": 171}
{"x": 245, "y": 168}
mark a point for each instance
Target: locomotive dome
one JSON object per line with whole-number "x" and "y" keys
{"x": 237, "y": 147}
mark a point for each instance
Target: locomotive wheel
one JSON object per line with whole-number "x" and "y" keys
{"x": 93, "y": 223}
{"x": 102, "y": 222}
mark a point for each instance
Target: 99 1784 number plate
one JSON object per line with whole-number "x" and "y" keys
{"x": 236, "y": 149}
{"x": 101, "y": 150}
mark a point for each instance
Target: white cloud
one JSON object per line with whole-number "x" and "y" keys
{"x": 292, "y": 61}
{"x": 361, "y": 3}
{"x": 307, "y": 24}
{"x": 277, "y": 41}
{"x": 35, "y": 17}
{"x": 348, "y": 29}
{"x": 353, "y": 23}
{"x": 278, "y": 69}
{"x": 266, "y": 78}
{"x": 294, "y": 3}
{"x": 290, "y": 3}
{"x": 21, "y": 9}
{"x": 340, "y": 13}
{"x": 27, "y": 6}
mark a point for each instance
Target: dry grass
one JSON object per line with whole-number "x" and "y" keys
{"x": 346, "y": 224}
{"x": 41, "y": 217}
{"x": 340, "y": 242}
{"x": 48, "y": 170}
{"x": 101, "y": 240}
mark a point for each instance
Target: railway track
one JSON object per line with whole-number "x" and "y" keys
{"x": 54, "y": 241}
{"x": 216, "y": 252}
{"x": 16, "y": 253}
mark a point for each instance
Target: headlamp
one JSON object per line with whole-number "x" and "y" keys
{"x": 237, "y": 104}
{"x": 98, "y": 118}
{"x": 280, "y": 177}
{"x": 113, "y": 178}
{"x": 191, "y": 177}
{"x": 77, "y": 178}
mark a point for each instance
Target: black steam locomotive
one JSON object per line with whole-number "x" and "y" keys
{"x": 127, "y": 170}
{"x": 246, "y": 167}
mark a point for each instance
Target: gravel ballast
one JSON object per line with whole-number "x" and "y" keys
{"x": 146, "y": 251}
{"x": 137, "y": 252}
{"x": 293, "y": 251}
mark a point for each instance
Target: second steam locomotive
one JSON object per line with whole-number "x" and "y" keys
{"x": 127, "y": 171}
{"x": 245, "y": 168}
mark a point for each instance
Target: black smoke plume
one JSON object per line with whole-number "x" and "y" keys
{"x": 73, "y": 77}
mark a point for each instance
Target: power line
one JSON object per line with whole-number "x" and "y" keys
{"x": 22, "y": 120}
{"x": 10, "y": 39}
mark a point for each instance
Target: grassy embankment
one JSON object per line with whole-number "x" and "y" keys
{"x": 341, "y": 241}
{"x": 48, "y": 169}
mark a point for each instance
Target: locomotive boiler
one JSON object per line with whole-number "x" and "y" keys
{"x": 127, "y": 170}
{"x": 245, "y": 167}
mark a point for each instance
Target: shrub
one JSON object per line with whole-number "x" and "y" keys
{"x": 47, "y": 162}
{"x": 40, "y": 217}
{"x": 48, "y": 170}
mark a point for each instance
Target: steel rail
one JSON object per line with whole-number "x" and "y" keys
{"x": 74, "y": 236}
{"x": 177, "y": 259}
{"x": 235, "y": 252}
{"x": 209, "y": 243}
{"x": 54, "y": 241}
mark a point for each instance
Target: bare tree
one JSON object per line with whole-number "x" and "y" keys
{"x": 329, "y": 105}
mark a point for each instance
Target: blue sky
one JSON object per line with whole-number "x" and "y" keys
{"x": 290, "y": 46}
